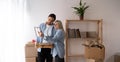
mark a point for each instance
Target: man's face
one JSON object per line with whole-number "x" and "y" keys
{"x": 50, "y": 20}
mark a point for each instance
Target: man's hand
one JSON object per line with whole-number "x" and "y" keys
{"x": 41, "y": 34}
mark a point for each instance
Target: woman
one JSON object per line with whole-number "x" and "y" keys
{"x": 58, "y": 40}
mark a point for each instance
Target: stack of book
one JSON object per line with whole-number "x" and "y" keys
{"x": 88, "y": 34}
{"x": 73, "y": 33}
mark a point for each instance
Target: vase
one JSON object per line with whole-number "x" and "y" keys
{"x": 81, "y": 17}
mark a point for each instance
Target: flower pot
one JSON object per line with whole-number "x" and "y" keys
{"x": 81, "y": 17}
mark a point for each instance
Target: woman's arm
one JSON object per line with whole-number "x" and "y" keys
{"x": 58, "y": 36}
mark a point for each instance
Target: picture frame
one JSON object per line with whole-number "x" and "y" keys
{"x": 37, "y": 30}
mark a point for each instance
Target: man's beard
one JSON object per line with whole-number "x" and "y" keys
{"x": 49, "y": 23}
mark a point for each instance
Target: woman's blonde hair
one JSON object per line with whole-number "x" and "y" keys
{"x": 60, "y": 24}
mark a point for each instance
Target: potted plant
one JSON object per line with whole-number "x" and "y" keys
{"x": 80, "y": 10}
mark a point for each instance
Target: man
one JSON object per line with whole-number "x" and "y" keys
{"x": 46, "y": 29}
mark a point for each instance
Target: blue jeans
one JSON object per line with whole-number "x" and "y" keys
{"x": 58, "y": 59}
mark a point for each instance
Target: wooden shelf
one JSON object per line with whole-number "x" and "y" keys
{"x": 83, "y": 20}
{"x": 83, "y": 38}
{"x": 76, "y": 55}
{"x": 81, "y": 24}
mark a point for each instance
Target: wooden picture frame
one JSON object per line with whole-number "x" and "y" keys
{"x": 37, "y": 30}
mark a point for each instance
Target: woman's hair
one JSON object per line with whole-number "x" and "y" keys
{"x": 60, "y": 24}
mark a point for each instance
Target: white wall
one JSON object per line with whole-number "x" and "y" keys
{"x": 108, "y": 10}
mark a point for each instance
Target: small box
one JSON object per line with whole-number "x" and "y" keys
{"x": 30, "y": 50}
{"x": 30, "y": 59}
{"x": 95, "y": 53}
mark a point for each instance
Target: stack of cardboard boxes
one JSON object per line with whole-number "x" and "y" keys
{"x": 30, "y": 52}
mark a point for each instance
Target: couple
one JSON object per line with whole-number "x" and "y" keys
{"x": 51, "y": 32}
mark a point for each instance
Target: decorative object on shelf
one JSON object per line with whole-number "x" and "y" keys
{"x": 81, "y": 9}
{"x": 93, "y": 43}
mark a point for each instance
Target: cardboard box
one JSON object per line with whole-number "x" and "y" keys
{"x": 30, "y": 50}
{"x": 95, "y": 53}
{"x": 93, "y": 60}
{"x": 30, "y": 59}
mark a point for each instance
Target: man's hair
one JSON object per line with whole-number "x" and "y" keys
{"x": 52, "y": 15}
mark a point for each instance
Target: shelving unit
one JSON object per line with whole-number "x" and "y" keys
{"x": 73, "y": 45}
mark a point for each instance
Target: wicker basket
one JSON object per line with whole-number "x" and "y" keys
{"x": 95, "y": 53}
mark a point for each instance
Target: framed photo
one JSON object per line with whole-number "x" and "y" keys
{"x": 37, "y": 30}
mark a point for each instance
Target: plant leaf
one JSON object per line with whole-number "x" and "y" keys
{"x": 86, "y": 8}
{"x": 80, "y": 2}
{"x": 84, "y": 4}
{"x": 75, "y": 8}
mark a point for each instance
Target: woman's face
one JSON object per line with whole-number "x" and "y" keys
{"x": 56, "y": 25}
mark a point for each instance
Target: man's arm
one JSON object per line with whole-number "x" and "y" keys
{"x": 40, "y": 33}
{"x": 41, "y": 30}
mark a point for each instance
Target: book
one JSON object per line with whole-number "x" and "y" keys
{"x": 71, "y": 33}
{"x": 77, "y": 33}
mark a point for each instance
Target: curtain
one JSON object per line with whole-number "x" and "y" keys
{"x": 13, "y": 16}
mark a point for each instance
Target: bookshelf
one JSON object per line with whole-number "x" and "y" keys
{"x": 88, "y": 30}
